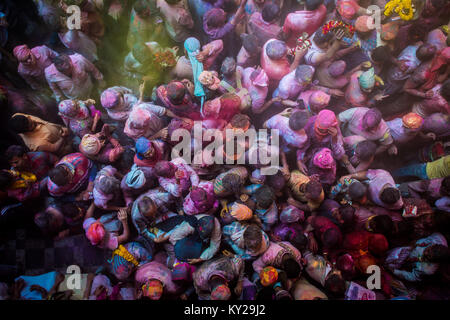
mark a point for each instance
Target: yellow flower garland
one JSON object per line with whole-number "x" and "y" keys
{"x": 402, "y": 7}
{"x": 123, "y": 252}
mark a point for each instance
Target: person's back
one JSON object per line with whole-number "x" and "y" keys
{"x": 304, "y": 21}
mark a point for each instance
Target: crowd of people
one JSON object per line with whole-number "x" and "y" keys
{"x": 360, "y": 102}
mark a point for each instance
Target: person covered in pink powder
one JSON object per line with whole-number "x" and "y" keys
{"x": 308, "y": 21}
{"x": 201, "y": 199}
{"x": 369, "y": 124}
{"x": 176, "y": 176}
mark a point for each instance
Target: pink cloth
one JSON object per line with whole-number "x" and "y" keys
{"x": 353, "y": 94}
{"x": 109, "y": 240}
{"x": 257, "y": 88}
{"x": 303, "y": 21}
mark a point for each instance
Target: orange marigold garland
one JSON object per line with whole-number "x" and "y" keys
{"x": 166, "y": 58}
{"x": 334, "y": 24}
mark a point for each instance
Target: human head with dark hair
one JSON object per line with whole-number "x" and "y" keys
{"x": 17, "y": 157}
{"x": 107, "y": 184}
{"x": 298, "y": 120}
{"x": 432, "y": 7}
{"x": 251, "y": 44}
{"x": 346, "y": 265}
{"x": 445, "y": 90}
{"x": 365, "y": 150}
{"x": 381, "y": 54}
{"x": 240, "y": 121}
{"x": 172, "y": 2}
{"x": 276, "y": 49}
{"x": 291, "y": 267}
{"x": 215, "y": 18}
{"x": 437, "y": 253}
{"x": 381, "y": 224}
{"x": 335, "y": 284}
{"x": 43, "y": 221}
{"x": 142, "y": 8}
{"x": 425, "y": 52}
{"x": 416, "y": 33}
{"x": 372, "y": 119}
{"x": 390, "y": 195}
{"x": 313, "y": 190}
{"x": 264, "y": 197}
{"x": 312, "y": 5}
{"x": 59, "y": 175}
{"x": 322, "y": 40}
{"x": 176, "y": 92}
{"x": 270, "y": 12}
{"x": 20, "y": 124}
{"x": 6, "y": 179}
{"x": 228, "y": 67}
{"x": 253, "y": 238}
{"x": 232, "y": 183}
{"x": 357, "y": 190}
{"x": 147, "y": 207}
{"x": 347, "y": 215}
{"x": 265, "y": 294}
{"x": 63, "y": 64}
{"x": 276, "y": 181}
{"x": 445, "y": 187}
{"x": 298, "y": 240}
{"x": 165, "y": 169}
{"x": 331, "y": 238}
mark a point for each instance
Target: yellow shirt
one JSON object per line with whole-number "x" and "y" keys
{"x": 45, "y": 133}
{"x": 439, "y": 168}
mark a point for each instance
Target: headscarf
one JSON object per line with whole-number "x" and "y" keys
{"x": 364, "y": 24}
{"x": 268, "y": 276}
{"x": 205, "y": 227}
{"x": 70, "y": 110}
{"x": 90, "y": 145}
{"x": 325, "y": 120}
{"x": 319, "y": 100}
{"x": 153, "y": 289}
{"x": 412, "y": 121}
{"x": 21, "y": 52}
{"x": 337, "y": 68}
{"x": 110, "y": 98}
{"x": 241, "y": 211}
{"x": 95, "y": 233}
{"x": 367, "y": 79}
{"x": 135, "y": 178}
{"x": 221, "y": 292}
{"x": 192, "y": 46}
{"x": 324, "y": 159}
{"x": 143, "y": 146}
{"x": 291, "y": 214}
